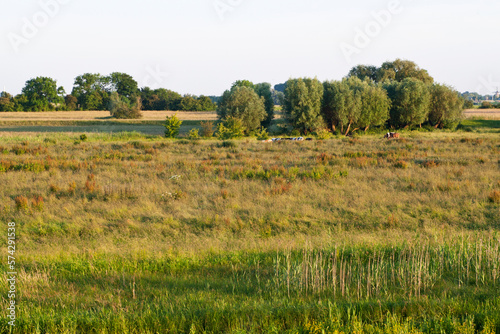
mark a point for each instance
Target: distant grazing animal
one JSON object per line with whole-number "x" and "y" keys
{"x": 392, "y": 135}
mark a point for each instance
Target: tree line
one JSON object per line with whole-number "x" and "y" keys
{"x": 98, "y": 92}
{"x": 397, "y": 95}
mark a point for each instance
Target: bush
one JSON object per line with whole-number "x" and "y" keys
{"x": 207, "y": 129}
{"x": 486, "y": 105}
{"x": 323, "y": 134}
{"x": 194, "y": 134}
{"x": 172, "y": 126}
{"x": 401, "y": 164}
{"x": 21, "y": 203}
{"x": 120, "y": 107}
{"x": 262, "y": 134}
{"x": 228, "y": 144}
{"x": 83, "y": 137}
{"x": 494, "y": 196}
{"x": 230, "y": 128}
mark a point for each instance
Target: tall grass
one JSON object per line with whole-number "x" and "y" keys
{"x": 126, "y": 233}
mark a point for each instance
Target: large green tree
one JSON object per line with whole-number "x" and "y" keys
{"x": 206, "y": 104}
{"x": 7, "y": 102}
{"x": 241, "y": 102}
{"x": 265, "y": 92}
{"x": 399, "y": 70}
{"x": 341, "y": 104}
{"x": 91, "y": 91}
{"x": 375, "y": 103}
{"x": 71, "y": 102}
{"x": 446, "y": 106}
{"x": 189, "y": 103}
{"x": 410, "y": 102}
{"x": 124, "y": 84}
{"x": 42, "y": 94}
{"x": 303, "y": 99}
{"x": 364, "y": 71}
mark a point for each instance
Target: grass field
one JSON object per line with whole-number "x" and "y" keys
{"x": 483, "y": 113}
{"x": 132, "y": 233}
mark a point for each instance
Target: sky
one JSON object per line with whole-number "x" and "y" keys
{"x": 201, "y": 47}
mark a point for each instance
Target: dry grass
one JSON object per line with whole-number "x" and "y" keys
{"x": 101, "y": 116}
{"x": 139, "y": 234}
{"x": 493, "y": 114}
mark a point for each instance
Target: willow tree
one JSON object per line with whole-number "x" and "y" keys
{"x": 410, "y": 102}
{"x": 242, "y": 103}
{"x": 303, "y": 98}
{"x": 375, "y": 104}
{"x": 446, "y": 106}
{"x": 341, "y": 104}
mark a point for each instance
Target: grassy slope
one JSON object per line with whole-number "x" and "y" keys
{"x": 345, "y": 234}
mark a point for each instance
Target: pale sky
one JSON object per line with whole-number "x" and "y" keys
{"x": 203, "y": 46}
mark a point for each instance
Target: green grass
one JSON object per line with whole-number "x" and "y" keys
{"x": 145, "y": 127}
{"x": 481, "y": 125}
{"x": 133, "y": 233}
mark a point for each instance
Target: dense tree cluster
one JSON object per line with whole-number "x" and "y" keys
{"x": 398, "y": 94}
{"x": 93, "y": 91}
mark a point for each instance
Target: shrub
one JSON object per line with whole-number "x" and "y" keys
{"x": 230, "y": 128}
{"x": 228, "y": 144}
{"x": 262, "y": 134}
{"x": 172, "y": 126}
{"x": 430, "y": 164}
{"x": 494, "y": 196}
{"x": 194, "y": 134}
{"x": 486, "y": 105}
{"x": 207, "y": 129}
{"x": 90, "y": 184}
{"x": 37, "y": 203}
{"x": 401, "y": 164}
{"x": 83, "y": 137}
{"x": 323, "y": 134}
{"x": 21, "y": 203}
{"x": 120, "y": 107}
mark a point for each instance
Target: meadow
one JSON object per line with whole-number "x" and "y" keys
{"x": 127, "y": 232}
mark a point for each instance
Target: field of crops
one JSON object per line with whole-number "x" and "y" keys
{"x": 127, "y": 232}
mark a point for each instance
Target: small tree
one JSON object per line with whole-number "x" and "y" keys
{"x": 172, "y": 126}
{"x": 231, "y": 128}
{"x": 207, "y": 129}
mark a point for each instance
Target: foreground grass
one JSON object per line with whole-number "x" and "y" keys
{"x": 130, "y": 233}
